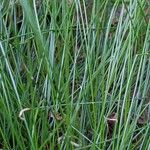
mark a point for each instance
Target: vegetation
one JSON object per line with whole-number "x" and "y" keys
{"x": 74, "y": 74}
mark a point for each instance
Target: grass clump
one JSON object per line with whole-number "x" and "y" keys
{"x": 74, "y": 74}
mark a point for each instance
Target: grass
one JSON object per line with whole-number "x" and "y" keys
{"x": 74, "y": 74}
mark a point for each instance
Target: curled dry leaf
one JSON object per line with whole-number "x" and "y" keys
{"x": 22, "y": 112}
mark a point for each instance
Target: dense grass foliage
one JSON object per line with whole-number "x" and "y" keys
{"x": 74, "y": 74}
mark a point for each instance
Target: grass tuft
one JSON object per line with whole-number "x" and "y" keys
{"x": 74, "y": 74}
